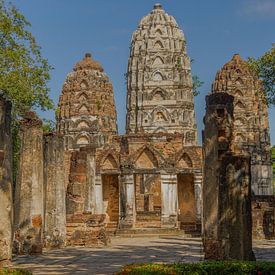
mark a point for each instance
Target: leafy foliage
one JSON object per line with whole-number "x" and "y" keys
{"x": 207, "y": 267}
{"x": 24, "y": 74}
{"x": 264, "y": 68}
{"x": 196, "y": 85}
{"x": 14, "y": 272}
{"x": 48, "y": 126}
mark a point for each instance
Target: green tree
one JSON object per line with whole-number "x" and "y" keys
{"x": 24, "y": 74}
{"x": 264, "y": 68}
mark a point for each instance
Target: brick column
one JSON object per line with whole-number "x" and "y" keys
{"x": 5, "y": 182}
{"x": 29, "y": 197}
{"x": 55, "y": 191}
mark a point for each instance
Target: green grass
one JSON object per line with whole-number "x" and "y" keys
{"x": 204, "y": 268}
{"x": 10, "y": 271}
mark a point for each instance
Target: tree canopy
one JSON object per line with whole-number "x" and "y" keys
{"x": 264, "y": 67}
{"x": 24, "y": 73}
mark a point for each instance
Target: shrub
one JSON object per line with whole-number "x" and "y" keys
{"x": 14, "y": 272}
{"x": 205, "y": 268}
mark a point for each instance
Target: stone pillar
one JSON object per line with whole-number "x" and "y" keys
{"x": 227, "y": 224}
{"x": 99, "y": 209}
{"x": 127, "y": 201}
{"x": 55, "y": 192}
{"x": 90, "y": 200}
{"x": 5, "y": 182}
{"x": 198, "y": 195}
{"x": 29, "y": 197}
{"x": 169, "y": 199}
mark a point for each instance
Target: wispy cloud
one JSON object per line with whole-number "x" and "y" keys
{"x": 261, "y": 8}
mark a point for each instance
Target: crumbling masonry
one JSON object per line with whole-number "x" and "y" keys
{"x": 85, "y": 182}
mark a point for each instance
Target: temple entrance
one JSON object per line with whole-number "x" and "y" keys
{"x": 111, "y": 200}
{"x": 186, "y": 201}
{"x": 148, "y": 200}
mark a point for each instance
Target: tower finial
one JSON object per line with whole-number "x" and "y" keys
{"x": 157, "y": 6}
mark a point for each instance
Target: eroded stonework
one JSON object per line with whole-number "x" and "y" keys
{"x": 151, "y": 177}
{"x": 159, "y": 82}
{"x": 227, "y": 219}
{"x": 6, "y": 203}
{"x": 250, "y": 128}
{"x": 86, "y": 109}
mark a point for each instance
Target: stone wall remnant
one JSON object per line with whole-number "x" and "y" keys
{"x": 29, "y": 191}
{"x": 6, "y": 200}
{"x": 227, "y": 221}
{"x": 55, "y": 192}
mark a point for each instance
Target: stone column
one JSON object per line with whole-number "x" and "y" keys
{"x": 55, "y": 192}
{"x": 198, "y": 194}
{"x": 90, "y": 199}
{"x": 127, "y": 201}
{"x": 29, "y": 189}
{"x": 99, "y": 209}
{"x": 227, "y": 227}
{"x": 5, "y": 182}
{"x": 169, "y": 199}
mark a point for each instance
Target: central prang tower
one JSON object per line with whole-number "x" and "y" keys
{"x": 159, "y": 82}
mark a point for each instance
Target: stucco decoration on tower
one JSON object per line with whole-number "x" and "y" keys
{"x": 250, "y": 128}
{"x": 159, "y": 82}
{"x": 86, "y": 113}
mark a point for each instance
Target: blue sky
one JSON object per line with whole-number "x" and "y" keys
{"x": 214, "y": 29}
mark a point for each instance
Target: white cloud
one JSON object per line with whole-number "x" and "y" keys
{"x": 263, "y": 8}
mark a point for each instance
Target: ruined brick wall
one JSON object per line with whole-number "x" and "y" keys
{"x": 55, "y": 192}
{"x": 84, "y": 226}
{"x": 227, "y": 221}
{"x": 263, "y": 217}
{"x": 5, "y": 182}
{"x": 29, "y": 191}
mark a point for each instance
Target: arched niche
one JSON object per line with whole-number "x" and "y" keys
{"x": 159, "y": 116}
{"x": 239, "y": 81}
{"x": 84, "y": 84}
{"x": 83, "y": 109}
{"x": 109, "y": 163}
{"x": 82, "y": 140}
{"x": 239, "y": 106}
{"x": 82, "y": 124}
{"x": 158, "y": 45}
{"x": 157, "y": 76}
{"x": 146, "y": 160}
{"x": 158, "y": 95}
{"x": 158, "y": 31}
{"x": 83, "y": 97}
{"x": 238, "y": 93}
{"x": 184, "y": 161}
{"x": 158, "y": 61}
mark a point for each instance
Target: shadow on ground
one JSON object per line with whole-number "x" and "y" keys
{"x": 125, "y": 251}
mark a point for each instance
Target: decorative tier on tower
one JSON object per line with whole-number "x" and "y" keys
{"x": 159, "y": 82}
{"x": 250, "y": 128}
{"x": 86, "y": 113}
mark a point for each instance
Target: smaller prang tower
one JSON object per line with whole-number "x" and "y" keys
{"x": 86, "y": 109}
{"x": 250, "y": 128}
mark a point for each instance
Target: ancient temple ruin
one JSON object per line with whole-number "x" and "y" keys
{"x": 84, "y": 182}
{"x": 150, "y": 177}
